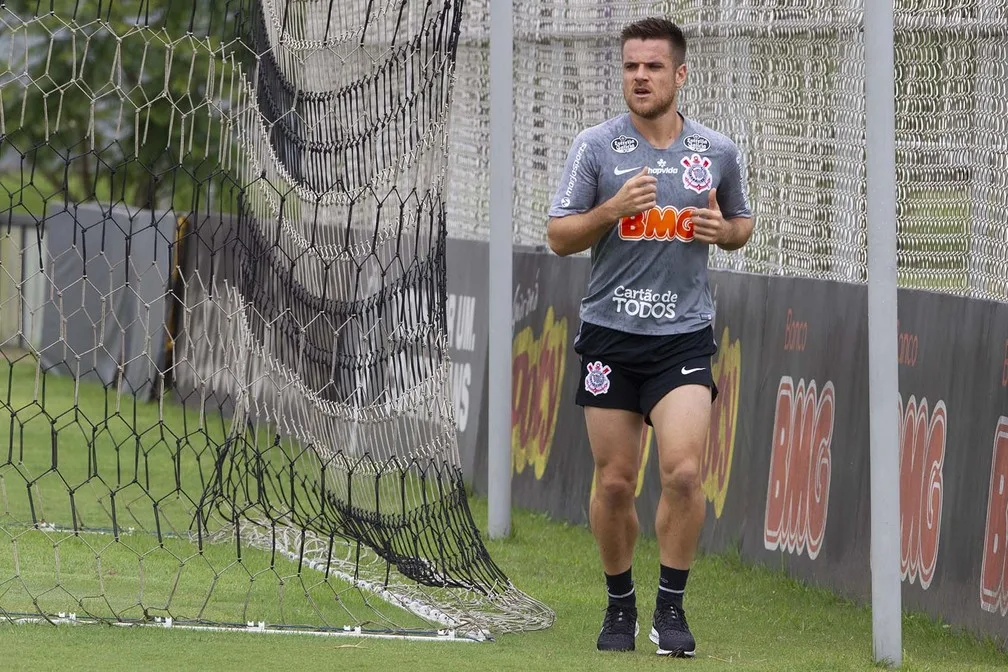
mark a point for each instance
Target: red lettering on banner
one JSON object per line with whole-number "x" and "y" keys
{"x": 795, "y": 334}
{"x": 666, "y": 223}
{"x": 907, "y": 347}
{"x": 922, "y": 458}
{"x": 994, "y": 571}
{"x": 1004, "y": 368}
{"x": 537, "y": 368}
{"x": 800, "y": 467}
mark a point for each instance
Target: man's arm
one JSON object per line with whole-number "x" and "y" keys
{"x": 578, "y": 232}
{"x": 711, "y": 226}
{"x": 739, "y": 229}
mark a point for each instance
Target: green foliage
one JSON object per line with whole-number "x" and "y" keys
{"x": 116, "y": 101}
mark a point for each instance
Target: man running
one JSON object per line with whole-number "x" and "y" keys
{"x": 648, "y": 191}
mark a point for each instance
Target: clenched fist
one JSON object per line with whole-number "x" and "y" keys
{"x": 709, "y": 226}
{"x": 637, "y": 195}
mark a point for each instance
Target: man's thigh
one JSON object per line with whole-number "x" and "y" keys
{"x": 611, "y": 401}
{"x": 615, "y": 438}
{"x": 677, "y": 402}
{"x": 681, "y": 421}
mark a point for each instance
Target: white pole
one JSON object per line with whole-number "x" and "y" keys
{"x": 501, "y": 232}
{"x": 883, "y": 370}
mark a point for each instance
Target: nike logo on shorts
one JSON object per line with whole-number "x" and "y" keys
{"x": 624, "y": 171}
{"x": 687, "y": 372}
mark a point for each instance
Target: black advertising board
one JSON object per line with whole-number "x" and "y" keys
{"x": 551, "y": 461}
{"x": 466, "y": 315}
{"x": 786, "y": 469}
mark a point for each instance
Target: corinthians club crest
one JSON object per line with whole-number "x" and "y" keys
{"x": 597, "y": 379}
{"x": 697, "y": 176}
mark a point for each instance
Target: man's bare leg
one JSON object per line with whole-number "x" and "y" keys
{"x": 681, "y": 420}
{"x": 615, "y": 443}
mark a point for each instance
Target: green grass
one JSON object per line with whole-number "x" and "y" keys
{"x": 743, "y": 617}
{"x": 83, "y": 457}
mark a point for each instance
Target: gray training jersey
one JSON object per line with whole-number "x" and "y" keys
{"x": 648, "y": 275}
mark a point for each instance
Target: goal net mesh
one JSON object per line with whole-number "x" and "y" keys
{"x": 785, "y": 80}
{"x": 224, "y": 392}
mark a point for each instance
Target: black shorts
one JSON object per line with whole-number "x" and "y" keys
{"x": 633, "y": 372}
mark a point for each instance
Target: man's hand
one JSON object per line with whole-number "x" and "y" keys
{"x": 708, "y": 224}
{"x": 575, "y": 233}
{"x": 638, "y": 194}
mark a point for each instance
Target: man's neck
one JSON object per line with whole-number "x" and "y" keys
{"x": 661, "y": 132}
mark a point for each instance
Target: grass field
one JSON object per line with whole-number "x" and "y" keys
{"x": 88, "y": 459}
{"x": 743, "y": 617}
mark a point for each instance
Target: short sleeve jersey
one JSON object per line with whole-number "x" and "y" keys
{"x": 648, "y": 274}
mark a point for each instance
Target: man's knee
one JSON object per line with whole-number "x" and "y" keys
{"x": 615, "y": 487}
{"x": 681, "y": 478}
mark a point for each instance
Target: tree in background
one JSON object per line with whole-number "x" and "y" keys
{"x": 120, "y": 103}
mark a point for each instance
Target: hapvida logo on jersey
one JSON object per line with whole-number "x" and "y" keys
{"x": 666, "y": 223}
{"x": 645, "y": 303}
{"x": 663, "y": 169}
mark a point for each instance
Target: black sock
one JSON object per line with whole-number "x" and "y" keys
{"x": 621, "y": 589}
{"x": 671, "y": 586}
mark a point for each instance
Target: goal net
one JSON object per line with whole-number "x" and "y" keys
{"x": 785, "y": 80}
{"x": 224, "y": 395}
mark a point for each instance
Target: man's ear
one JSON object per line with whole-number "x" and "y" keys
{"x": 681, "y": 75}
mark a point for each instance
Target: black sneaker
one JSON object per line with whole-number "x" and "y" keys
{"x": 619, "y": 629}
{"x": 671, "y": 633}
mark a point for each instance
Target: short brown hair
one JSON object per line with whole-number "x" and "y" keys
{"x": 657, "y": 28}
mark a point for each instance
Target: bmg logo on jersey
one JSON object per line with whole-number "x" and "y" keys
{"x": 666, "y": 223}
{"x": 645, "y": 303}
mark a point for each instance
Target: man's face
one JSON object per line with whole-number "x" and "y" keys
{"x": 651, "y": 77}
